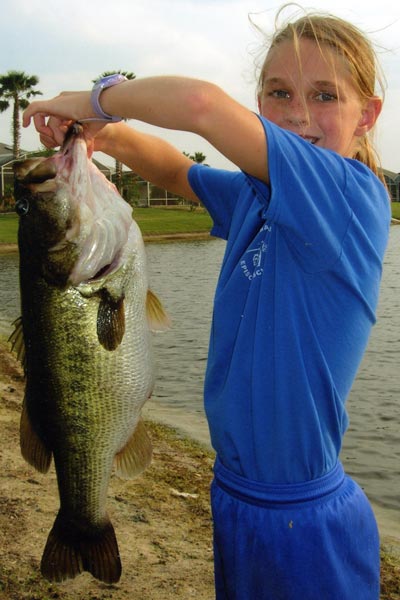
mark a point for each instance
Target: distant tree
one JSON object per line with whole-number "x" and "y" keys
{"x": 197, "y": 157}
{"x": 15, "y": 88}
{"x": 118, "y": 164}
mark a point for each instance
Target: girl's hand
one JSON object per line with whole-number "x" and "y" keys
{"x": 52, "y": 132}
{"x": 53, "y": 117}
{"x": 67, "y": 106}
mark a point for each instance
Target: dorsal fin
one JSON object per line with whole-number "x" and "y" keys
{"x": 157, "y": 318}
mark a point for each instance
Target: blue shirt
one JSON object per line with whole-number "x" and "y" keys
{"x": 294, "y": 305}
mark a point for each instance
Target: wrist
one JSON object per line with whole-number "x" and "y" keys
{"x": 107, "y": 139}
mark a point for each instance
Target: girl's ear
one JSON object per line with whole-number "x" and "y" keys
{"x": 369, "y": 114}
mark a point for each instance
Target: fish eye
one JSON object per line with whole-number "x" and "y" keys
{"x": 22, "y": 207}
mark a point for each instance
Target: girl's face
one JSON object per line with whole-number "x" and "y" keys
{"x": 311, "y": 93}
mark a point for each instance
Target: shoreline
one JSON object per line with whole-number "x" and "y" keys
{"x": 162, "y": 518}
{"x": 162, "y": 237}
{"x": 194, "y": 427}
{"x": 157, "y": 237}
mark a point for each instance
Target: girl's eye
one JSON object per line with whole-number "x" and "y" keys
{"x": 325, "y": 97}
{"x": 279, "y": 94}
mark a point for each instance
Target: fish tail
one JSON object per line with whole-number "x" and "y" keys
{"x": 71, "y": 550}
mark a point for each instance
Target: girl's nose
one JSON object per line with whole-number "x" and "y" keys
{"x": 298, "y": 113}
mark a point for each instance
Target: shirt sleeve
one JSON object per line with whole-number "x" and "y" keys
{"x": 218, "y": 190}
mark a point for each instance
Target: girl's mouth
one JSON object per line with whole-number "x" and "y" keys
{"x": 309, "y": 138}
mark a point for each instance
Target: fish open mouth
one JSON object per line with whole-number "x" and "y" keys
{"x": 84, "y": 208}
{"x": 74, "y": 130}
{"x": 103, "y": 218}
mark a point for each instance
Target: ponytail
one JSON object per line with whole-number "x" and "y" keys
{"x": 367, "y": 155}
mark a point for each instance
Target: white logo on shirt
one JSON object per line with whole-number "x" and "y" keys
{"x": 251, "y": 263}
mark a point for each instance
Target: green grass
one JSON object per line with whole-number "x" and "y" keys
{"x": 396, "y": 210}
{"x": 8, "y": 229}
{"x": 152, "y": 221}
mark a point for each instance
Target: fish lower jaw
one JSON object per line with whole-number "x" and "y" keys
{"x": 83, "y": 276}
{"x": 99, "y": 260}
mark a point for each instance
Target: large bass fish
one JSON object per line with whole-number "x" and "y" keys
{"x": 86, "y": 320}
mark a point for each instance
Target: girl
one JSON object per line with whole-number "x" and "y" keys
{"x": 306, "y": 221}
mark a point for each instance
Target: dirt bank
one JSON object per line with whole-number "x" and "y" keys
{"x": 162, "y": 519}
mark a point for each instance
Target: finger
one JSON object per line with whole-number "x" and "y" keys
{"x": 39, "y": 120}
{"x": 35, "y": 108}
{"x": 52, "y": 129}
{"x": 41, "y": 126}
{"x": 58, "y": 127}
{"x": 48, "y": 141}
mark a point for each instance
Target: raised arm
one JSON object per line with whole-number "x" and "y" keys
{"x": 196, "y": 106}
{"x": 173, "y": 103}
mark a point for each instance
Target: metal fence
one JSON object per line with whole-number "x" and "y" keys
{"x": 133, "y": 189}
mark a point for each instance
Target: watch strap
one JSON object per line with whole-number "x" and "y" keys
{"x": 99, "y": 86}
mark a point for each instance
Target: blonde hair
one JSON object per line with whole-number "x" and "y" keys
{"x": 348, "y": 42}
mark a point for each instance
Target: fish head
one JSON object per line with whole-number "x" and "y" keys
{"x": 72, "y": 221}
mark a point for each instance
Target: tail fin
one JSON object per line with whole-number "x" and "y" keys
{"x": 70, "y": 551}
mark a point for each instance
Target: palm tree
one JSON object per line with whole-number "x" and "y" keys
{"x": 16, "y": 87}
{"x": 118, "y": 164}
{"x": 197, "y": 157}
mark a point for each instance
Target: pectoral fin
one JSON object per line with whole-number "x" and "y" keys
{"x": 136, "y": 455}
{"x": 157, "y": 318}
{"x": 110, "y": 321}
{"x": 32, "y": 448}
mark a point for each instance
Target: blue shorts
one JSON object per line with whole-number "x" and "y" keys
{"x": 310, "y": 541}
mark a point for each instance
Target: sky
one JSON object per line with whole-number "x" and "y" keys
{"x": 68, "y": 43}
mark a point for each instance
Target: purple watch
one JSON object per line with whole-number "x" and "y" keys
{"x": 99, "y": 86}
